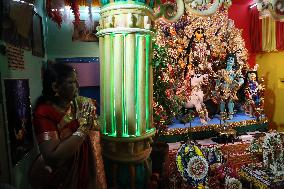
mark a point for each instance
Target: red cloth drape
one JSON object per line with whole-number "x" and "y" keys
{"x": 280, "y": 35}
{"x": 255, "y": 31}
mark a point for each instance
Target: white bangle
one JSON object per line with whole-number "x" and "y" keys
{"x": 79, "y": 134}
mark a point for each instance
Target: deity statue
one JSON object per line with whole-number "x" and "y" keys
{"x": 195, "y": 99}
{"x": 197, "y": 52}
{"x": 227, "y": 84}
{"x": 254, "y": 94}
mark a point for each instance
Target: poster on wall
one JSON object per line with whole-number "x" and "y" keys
{"x": 16, "y": 23}
{"x": 15, "y": 57}
{"x": 38, "y": 38}
{"x": 82, "y": 33}
{"x": 18, "y": 105}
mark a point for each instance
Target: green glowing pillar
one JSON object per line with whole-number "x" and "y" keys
{"x": 126, "y": 89}
{"x": 126, "y": 85}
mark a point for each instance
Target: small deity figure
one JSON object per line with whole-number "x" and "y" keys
{"x": 253, "y": 92}
{"x": 196, "y": 96}
{"x": 227, "y": 84}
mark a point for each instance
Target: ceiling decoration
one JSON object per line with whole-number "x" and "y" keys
{"x": 273, "y": 8}
{"x": 202, "y": 8}
{"x": 205, "y": 7}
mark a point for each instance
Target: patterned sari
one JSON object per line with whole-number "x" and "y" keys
{"x": 85, "y": 169}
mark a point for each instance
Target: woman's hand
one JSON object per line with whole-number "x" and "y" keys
{"x": 85, "y": 116}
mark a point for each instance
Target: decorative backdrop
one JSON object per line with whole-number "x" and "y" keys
{"x": 175, "y": 48}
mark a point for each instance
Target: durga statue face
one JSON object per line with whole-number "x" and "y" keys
{"x": 199, "y": 34}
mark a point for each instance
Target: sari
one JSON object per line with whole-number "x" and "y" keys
{"x": 85, "y": 169}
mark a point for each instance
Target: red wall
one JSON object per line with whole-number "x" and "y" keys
{"x": 239, "y": 12}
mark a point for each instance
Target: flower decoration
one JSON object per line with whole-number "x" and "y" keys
{"x": 191, "y": 164}
{"x": 273, "y": 156}
{"x": 197, "y": 168}
{"x": 213, "y": 154}
{"x": 226, "y": 170}
{"x": 232, "y": 183}
{"x": 255, "y": 146}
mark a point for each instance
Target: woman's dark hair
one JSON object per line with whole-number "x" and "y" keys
{"x": 54, "y": 72}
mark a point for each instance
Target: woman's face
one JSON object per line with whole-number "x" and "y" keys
{"x": 68, "y": 89}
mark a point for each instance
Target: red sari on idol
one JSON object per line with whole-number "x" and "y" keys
{"x": 84, "y": 170}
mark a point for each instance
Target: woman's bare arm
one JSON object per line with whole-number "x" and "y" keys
{"x": 56, "y": 152}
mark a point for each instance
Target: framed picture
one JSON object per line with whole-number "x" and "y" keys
{"x": 17, "y": 93}
{"x": 4, "y": 13}
{"x": 16, "y": 24}
{"x": 82, "y": 33}
{"x": 37, "y": 37}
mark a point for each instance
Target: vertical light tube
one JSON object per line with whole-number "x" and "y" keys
{"x": 107, "y": 84}
{"x": 102, "y": 85}
{"x": 130, "y": 83}
{"x": 147, "y": 51}
{"x": 150, "y": 88}
{"x": 140, "y": 85}
{"x": 112, "y": 78}
{"x": 136, "y": 71}
{"x": 118, "y": 44}
{"x": 124, "y": 122}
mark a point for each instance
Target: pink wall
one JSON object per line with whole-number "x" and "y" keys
{"x": 88, "y": 73}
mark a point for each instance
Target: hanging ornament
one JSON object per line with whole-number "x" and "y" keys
{"x": 53, "y": 13}
{"x": 75, "y": 9}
